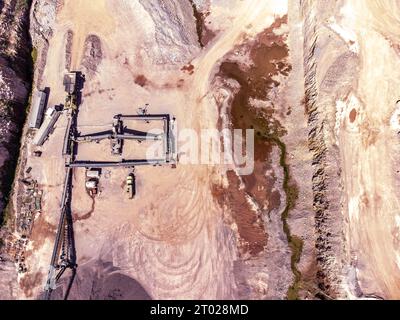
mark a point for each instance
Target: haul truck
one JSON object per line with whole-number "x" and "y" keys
{"x": 130, "y": 185}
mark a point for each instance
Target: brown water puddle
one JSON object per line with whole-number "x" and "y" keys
{"x": 141, "y": 80}
{"x": 353, "y": 115}
{"x": 268, "y": 53}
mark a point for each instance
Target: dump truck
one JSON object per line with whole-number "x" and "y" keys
{"x": 130, "y": 185}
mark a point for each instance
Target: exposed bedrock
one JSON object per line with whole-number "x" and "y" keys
{"x": 92, "y": 54}
{"x": 175, "y": 36}
{"x": 330, "y": 69}
{"x": 15, "y": 82}
{"x": 42, "y": 17}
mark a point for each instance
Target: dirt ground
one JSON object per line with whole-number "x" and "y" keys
{"x": 369, "y": 145}
{"x": 172, "y": 237}
{"x": 319, "y": 216}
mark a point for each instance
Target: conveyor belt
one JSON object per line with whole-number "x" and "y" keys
{"x": 67, "y": 136}
{"x": 143, "y": 117}
{"x": 64, "y": 238}
{"x": 105, "y": 164}
{"x": 50, "y": 284}
{"x": 89, "y": 138}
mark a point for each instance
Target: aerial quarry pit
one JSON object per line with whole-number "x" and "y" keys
{"x": 123, "y": 188}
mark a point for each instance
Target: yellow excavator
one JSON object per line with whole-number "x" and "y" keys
{"x": 131, "y": 185}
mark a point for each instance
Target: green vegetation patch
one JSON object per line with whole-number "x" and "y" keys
{"x": 7, "y": 215}
{"x": 295, "y": 242}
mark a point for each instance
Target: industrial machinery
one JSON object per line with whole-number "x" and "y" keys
{"x": 72, "y": 84}
{"x": 131, "y": 185}
{"x": 92, "y": 181}
{"x": 116, "y": 143}
{"x": 37, "y": 109}
{"x": 64, "y": 253}
{"x": 51, "y": 116}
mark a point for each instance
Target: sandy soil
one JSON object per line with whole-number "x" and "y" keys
{"x": 327, "y": 72}
{"x": 172, "y": 237}
{"x": 368, "y": 150}
{"x": 351, "y": 63}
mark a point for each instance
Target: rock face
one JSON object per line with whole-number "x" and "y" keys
{"x": 93, "y": 54}
{"x": 15, "y": 79}
{"x": 349, "y": 50}
{"x": 42, "y": 17}
{"x": 173, "y": 33}
{"x": 321, "y": 189}
{"x": 15, "y": 84}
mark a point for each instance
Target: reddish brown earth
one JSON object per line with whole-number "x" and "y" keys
{"x": 30, "y": 281}
{"x": 42, "y": 229}
{"x": 268, "y": 53}
{"x": 189, "y": 68}
{"x": 253, "y": 237}
{"x": 141, "y": 80}
{"x": 353, "y": 115}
